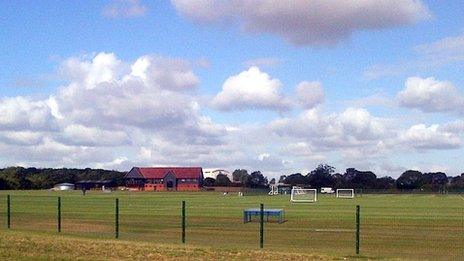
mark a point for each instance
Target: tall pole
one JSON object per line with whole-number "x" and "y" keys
{"x": 8, "y": 211}
{"x": 183, "y": 221}
{"x": 116, "y": 223}
{"x": 357, "y": 229}
{"x": 261, "y": 226}
{"x": 59, "y": 214}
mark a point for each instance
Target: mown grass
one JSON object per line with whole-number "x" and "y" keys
{"x": 392, "y": 226}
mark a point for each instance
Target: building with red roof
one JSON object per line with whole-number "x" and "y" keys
{"x": 165, "y": 178}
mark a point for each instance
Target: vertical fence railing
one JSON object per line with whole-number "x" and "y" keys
{"x": 261, "y": 226}
{"x": 183, "y": 221}
{"x": 357, "y": 229}
{"x": 116, "y": 219}
{"x": 59, "y": 214}
{"x": 8, "y": 211}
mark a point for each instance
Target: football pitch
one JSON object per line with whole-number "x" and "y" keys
{"x": 404, "y": 226}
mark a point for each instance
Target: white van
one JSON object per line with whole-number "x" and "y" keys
{"x": 327, "y": 190}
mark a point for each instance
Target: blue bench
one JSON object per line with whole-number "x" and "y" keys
{"x": 249, "y": 213}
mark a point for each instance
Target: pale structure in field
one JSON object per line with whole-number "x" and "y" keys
{"x": 213, "y": 173}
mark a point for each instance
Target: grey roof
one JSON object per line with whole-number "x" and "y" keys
{"x": 64, "y": 184}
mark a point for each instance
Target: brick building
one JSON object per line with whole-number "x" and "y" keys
{"x": 165, "y": 178}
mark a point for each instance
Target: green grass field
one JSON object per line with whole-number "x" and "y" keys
{"x": 392, "y": 226}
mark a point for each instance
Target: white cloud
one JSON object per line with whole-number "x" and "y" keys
{"x": 251, "y": 89}
{"x": 446, "y": 49}
{"x": 422, "y": 137}
{"x": 124, "y": 9}
{"x": 426, "y": 56}
{"x": 52, "y": 153}
{"x": 21, "y": 137}
{"x": 107, "y": 102}
{"x": 103, "y": 67}
{"x": 310, "y": 94}
{"x": 107, "y": 93}
{"x": 20, "y": 113}
{"x": 306, "y": 22}
{"x": 304, "y": 150}
{"x": 456, "y": 127}
{"x": 352, "y": 128}
{"x": 115, "y": 114}
{"x": 430, "y": 95}
{"x": 75, "y": 134}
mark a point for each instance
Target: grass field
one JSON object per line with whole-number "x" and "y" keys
{"x": 392, "y": 226}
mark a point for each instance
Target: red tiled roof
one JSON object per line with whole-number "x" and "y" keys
{"x": 179, "y": 172}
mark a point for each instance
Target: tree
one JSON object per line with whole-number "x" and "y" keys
{"x": 296, "y": 180}
{"x": 272, "y": 181}
{"x": 385, "y": 183}
{"x": 241, "y": 176}
{"x": 3, "y": 184}
{"x": 222, "y": 181}
{"x": 410, "y": 179}
{"x": 209, "y": 182}
{"x": 321, "y": 176}
{"x": 457, "y": 182}
{"x": 434, "y": 180}
{"x": 360, "y": 179}
{"x": 257, "y": 180}
{"x": 338, "y": 180}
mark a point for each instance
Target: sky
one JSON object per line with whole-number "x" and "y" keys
{"x": 278, "y": 86}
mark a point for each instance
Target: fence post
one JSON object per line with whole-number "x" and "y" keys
{"x": 59, "y": 214}
{"x": 116, "y": 223}
{"x": 261, "y": 226}
{"x": 183, "y": 221}
{"x": 8, "y": 211}
{"x": 357, "y": 229}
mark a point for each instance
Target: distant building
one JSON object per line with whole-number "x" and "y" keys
{"x": 64, "y": 186}
{"x": 165, "y": 178}
{"x": 212, "y": 173}
{"x": 95, "y": 184}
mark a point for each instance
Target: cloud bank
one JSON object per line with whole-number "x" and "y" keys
{"x": 306, "y": 22}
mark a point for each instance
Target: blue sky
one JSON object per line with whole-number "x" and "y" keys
{"x": 360, "y": 56}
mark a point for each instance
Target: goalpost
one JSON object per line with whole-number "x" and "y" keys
{"x": 303, "y": 195}
{"x": 274, "y": 190}
{"x": 345, "y": 193}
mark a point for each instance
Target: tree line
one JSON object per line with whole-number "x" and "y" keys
{"x": 34, "y": 178}
{"x": 325, "y": 176}
{"x": 240, "y": 177}
{"x": 322, "y": 176}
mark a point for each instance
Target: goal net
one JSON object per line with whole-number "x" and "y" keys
{"x": 345, "y": 193}
{"x": 303, "y": 195}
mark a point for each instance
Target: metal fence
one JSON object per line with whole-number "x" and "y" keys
{"x": 374, "y": 225}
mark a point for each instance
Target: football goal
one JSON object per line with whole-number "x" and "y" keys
{"x": 303, "y": 195}
{"x": 274, "y": 190}
{"x": 345, "y": 193}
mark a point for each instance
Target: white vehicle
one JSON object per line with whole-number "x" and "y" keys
{"x": 345, "y": 193}
{"x": 327, "y": 190}
{"x": 300, "y": 195}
